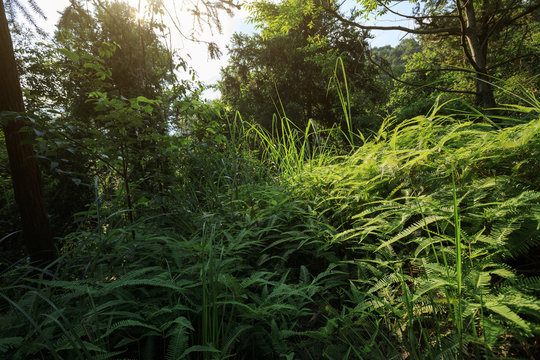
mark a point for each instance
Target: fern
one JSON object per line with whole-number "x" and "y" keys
{"x": 177, "y": 341}
{"x": 129, "y": 324}
{"x": 341, "y": 255}
{"x": 7, "y": 343}
{"x": 412, "y": 228}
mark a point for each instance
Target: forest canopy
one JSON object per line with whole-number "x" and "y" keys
{"x": 336, "y": 200}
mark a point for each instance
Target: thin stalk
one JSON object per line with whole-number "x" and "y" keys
{"x": 433, "y": 305}
{"x": 459, "y": 319}
{"x": 410, "y": 313}
{"x": 127, "y": 187}
{"x": 344, "y": 98}
{"x": 98, "y": 209}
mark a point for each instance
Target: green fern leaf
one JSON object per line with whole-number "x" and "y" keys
{"x": 10, "y": 342}
{"x": 178, "y": 342}
{"x": 418, "y": 225}
{"x": 129, "y": 324}
{"x": 508, "y": 314}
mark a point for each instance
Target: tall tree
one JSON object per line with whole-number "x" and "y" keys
{"x": 276, "y": 73}
{"x": 115, "y": 67}
{"x": 24, "y": 169}
{"x": 474, "y": 23}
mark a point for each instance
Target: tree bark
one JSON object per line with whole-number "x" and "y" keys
{"x": 477, "y": 43}
{"x": 24, "y": 169}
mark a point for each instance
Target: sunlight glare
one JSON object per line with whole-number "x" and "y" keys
{"x": 181, "y": 13}
{"x": 196, "y": 52}
{"x": 139, "y": 15}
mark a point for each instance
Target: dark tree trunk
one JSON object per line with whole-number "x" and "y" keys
{"x": 24, "y": 170}
{"x": 477, "y": 41}
{"x": 484, "y": 91}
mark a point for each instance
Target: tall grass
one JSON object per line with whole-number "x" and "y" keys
{"x": 410, "y": 246}
{"x": 396, "y": 200}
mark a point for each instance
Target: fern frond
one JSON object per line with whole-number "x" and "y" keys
{"x": 129, "y": 324}
{"x": 7, "y": 343}
{"x": 507, "y": 313}
{"x": 177, "y": 342}
{"x": 412, "y": 228}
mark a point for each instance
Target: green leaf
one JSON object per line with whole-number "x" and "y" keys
{"x": 507, "y": 313}
{"x": 148, "y": 109}
{"x": 199, "y": 348}
{"x": 39, "y": 133}
{"x": 70, "y": 54}
{"x": 416, "y": 226}
{"x": 10, "y": 342}
{"x": 145, "y": 100}
{"x": 129, "y": 324}
{"x": 93, "y": 67}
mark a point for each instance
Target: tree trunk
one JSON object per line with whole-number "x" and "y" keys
{"x": 24, "y": 170}
{"x": 484, "y": 91}
{"x": 478, "y": 45}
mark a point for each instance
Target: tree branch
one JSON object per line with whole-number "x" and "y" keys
{"x": 395, "y": 78}
{"x": 446, "y": 30}
{"x": 502, "y": 22}
{"x": 449, "y": 69}
{"x": 416, "y": 17}
{"x": 509, "y": 61}
{"x": 525, "y": 12}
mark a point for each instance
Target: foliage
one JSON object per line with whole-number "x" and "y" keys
{"x": 98, "y": 114}
{"x": 288, "y": 74}
{"x": 439, "y": 67}
{"x": 433, "y": 257}
{"x": 470, "y": 29}
{"x": 378, "y": 254}
{"x": 198, "y": 233}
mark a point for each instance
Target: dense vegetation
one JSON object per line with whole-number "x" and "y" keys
{"x": 323, "y": 208}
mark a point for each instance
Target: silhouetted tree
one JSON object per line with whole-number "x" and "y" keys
{"x": 24, "y": 169}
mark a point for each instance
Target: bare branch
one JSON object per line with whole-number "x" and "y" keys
{"x": 446, "y": 30}
{"x": 212, "y": 47}
{"x": 416, "y": 17}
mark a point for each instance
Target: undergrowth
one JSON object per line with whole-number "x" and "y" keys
{"x": 421, "y": 242}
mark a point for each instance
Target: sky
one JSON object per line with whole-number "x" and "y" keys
{"x": 208, "y": 69}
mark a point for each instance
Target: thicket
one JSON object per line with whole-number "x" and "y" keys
{"x": 419, "y": 243}
{"x": 187, "y": 231}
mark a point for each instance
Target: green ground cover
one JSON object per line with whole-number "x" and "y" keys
{"x": 419, "y": 241}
